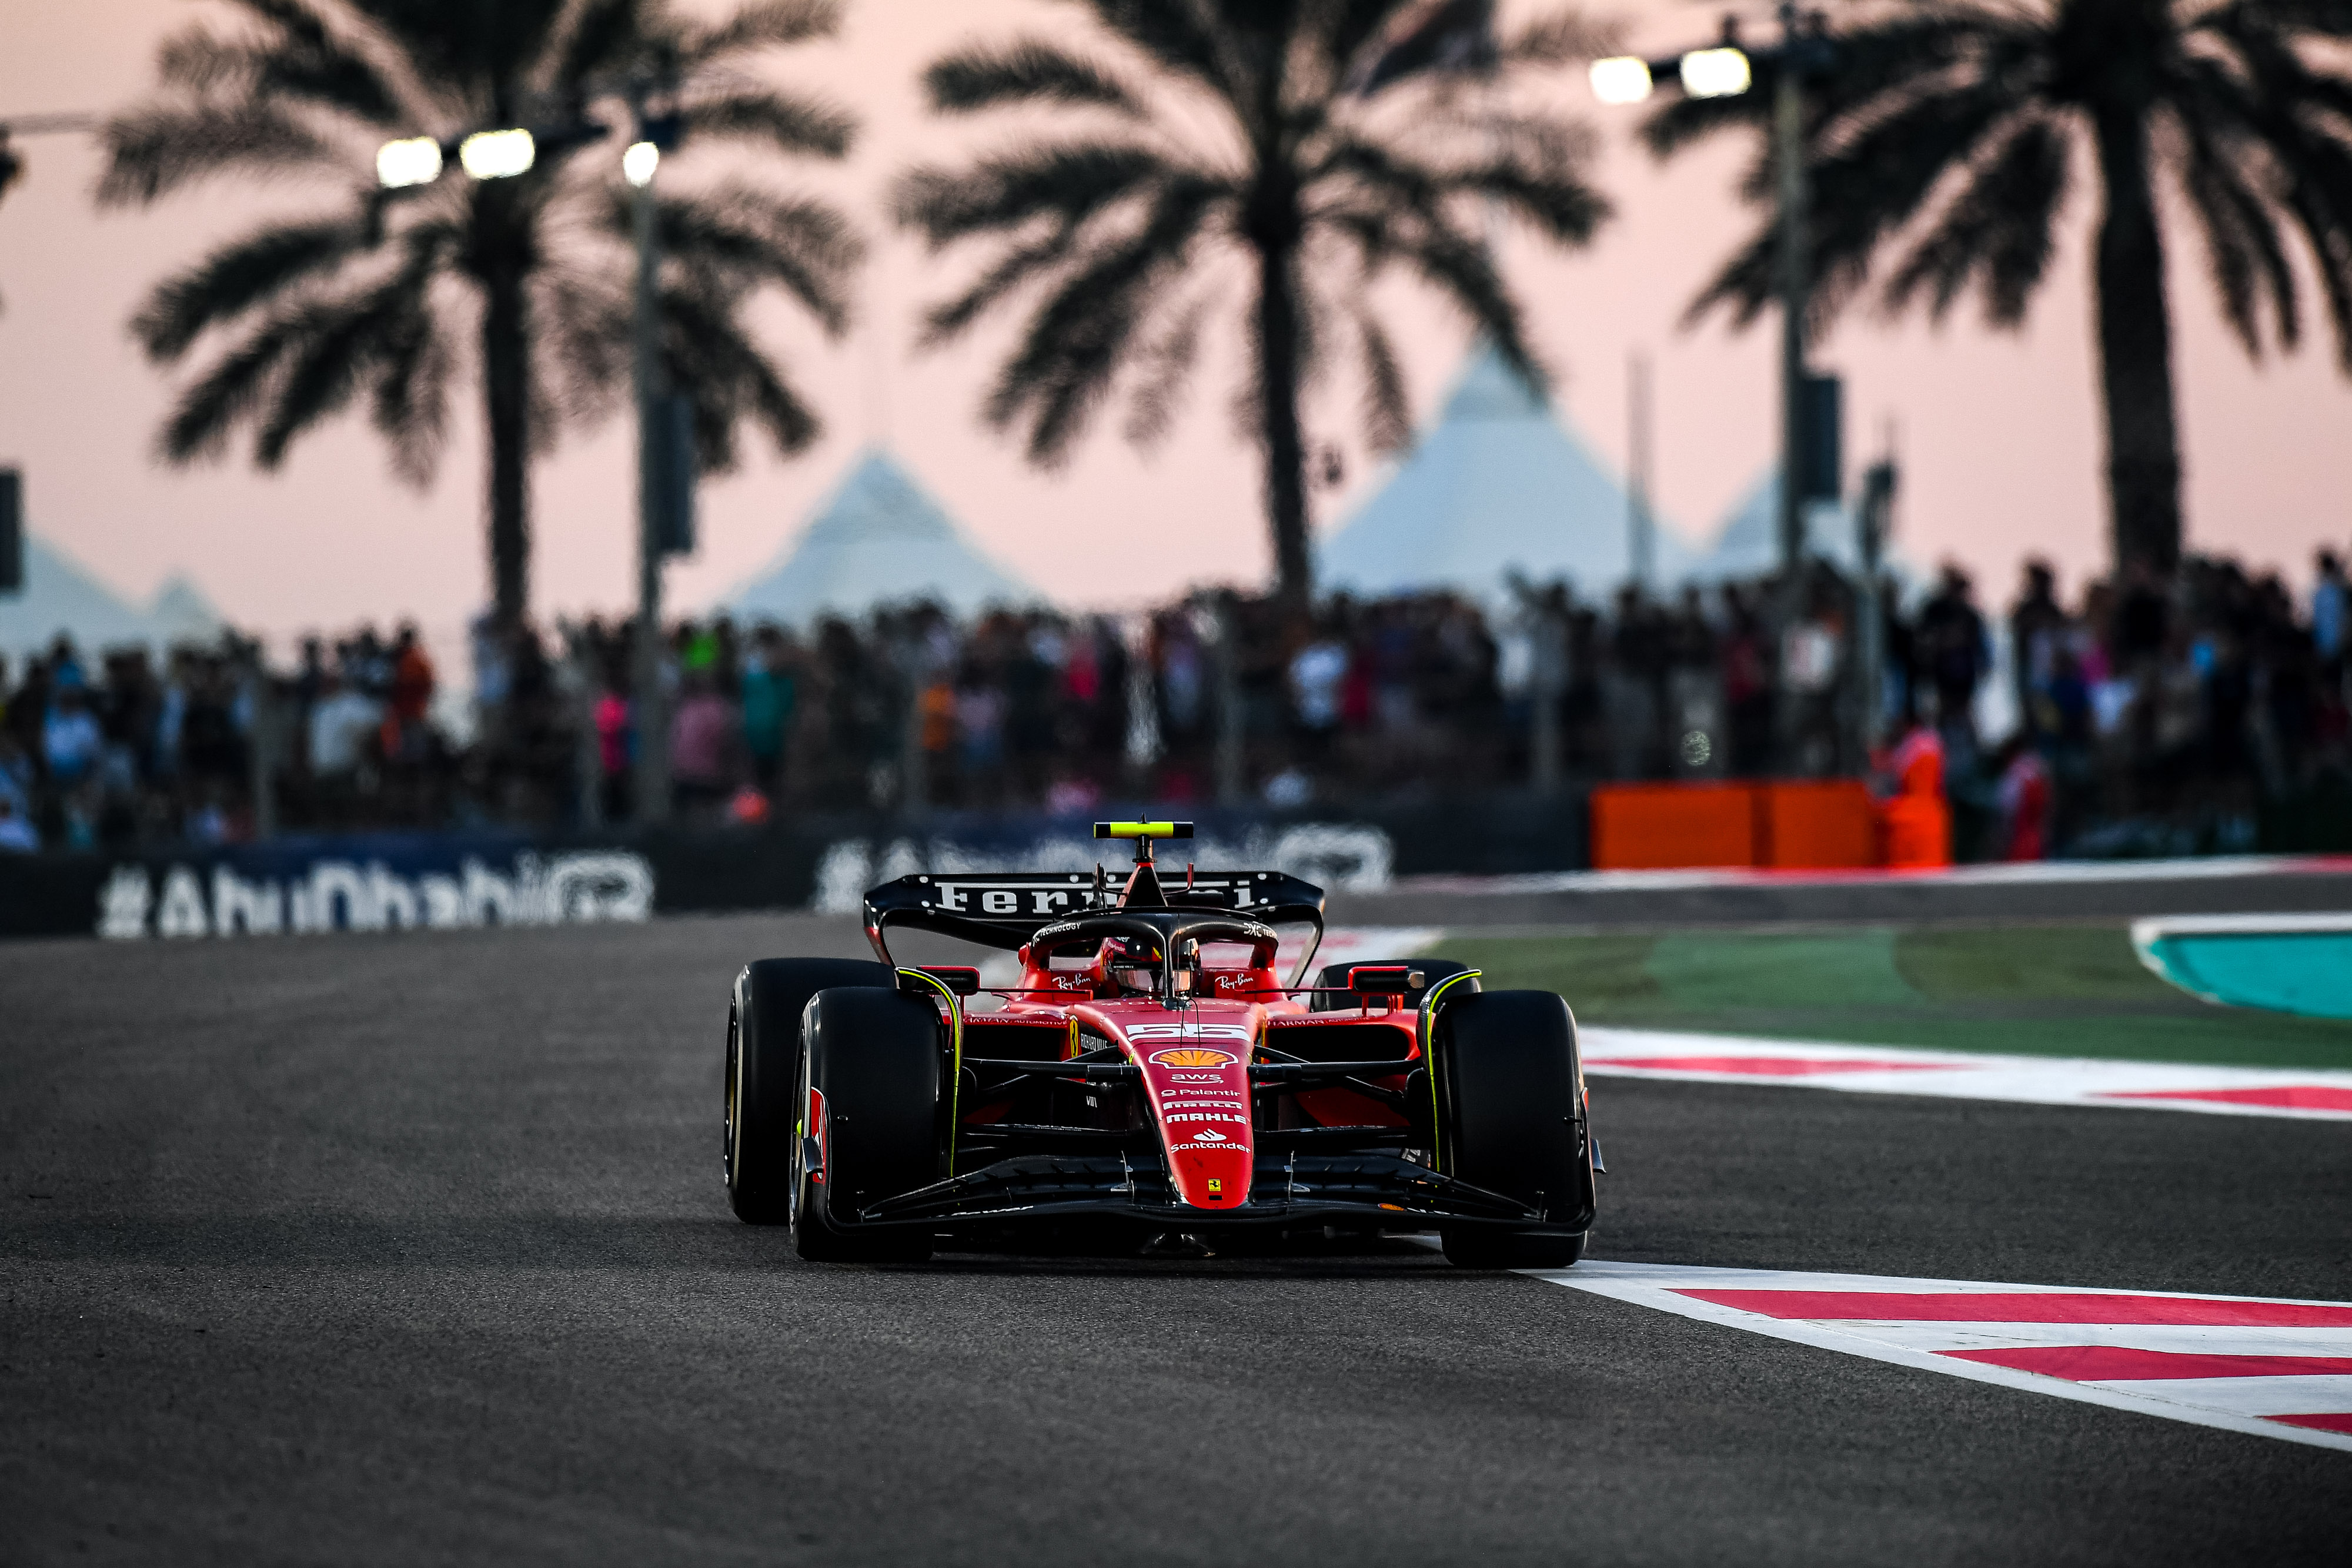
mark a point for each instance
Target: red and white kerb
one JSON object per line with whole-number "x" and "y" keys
{"x": 2272, "y": 1367}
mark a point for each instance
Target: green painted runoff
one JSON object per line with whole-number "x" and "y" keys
{"x": 2038, "y": 990}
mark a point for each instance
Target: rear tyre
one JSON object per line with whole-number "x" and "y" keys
{"x": 876, "y": 1062}
{"x": 763, "y": 1049}
{"x": 1334, "y": 978}
{"x": 1511, "y": 1112}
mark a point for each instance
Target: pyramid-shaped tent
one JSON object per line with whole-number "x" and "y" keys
{"x": 62, "y": 595}
{"x": 877, "y": 540}
{"x": 1497, "y": 485}
{"x": 1748, "y": 543}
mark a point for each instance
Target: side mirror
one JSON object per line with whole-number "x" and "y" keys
{"x": 1385, "y": 980}
{"x": 962, "y": 980}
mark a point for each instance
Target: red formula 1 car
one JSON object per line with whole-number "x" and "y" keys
{"x": 1148, "y": 1076}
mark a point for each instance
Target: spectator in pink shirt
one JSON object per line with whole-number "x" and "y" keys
{"x": 698, "y": 747}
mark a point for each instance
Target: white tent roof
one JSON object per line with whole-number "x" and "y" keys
{"x": 1748, "y": 544}
{"x": 1498, "y": 484}
{"x": 62, "y": 595}
{"x": 878, "y": 538}
{"x": 181, "y": 614}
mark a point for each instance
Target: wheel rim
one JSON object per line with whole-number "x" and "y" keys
{"x": 794, "y": 1179}
{"x": 734, "y": 1094}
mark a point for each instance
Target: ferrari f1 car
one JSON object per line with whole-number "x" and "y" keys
{"x": 1148, "y": 1075}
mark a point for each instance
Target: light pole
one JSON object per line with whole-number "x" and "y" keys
{"x": 664, "y": 435}
{"x": 1789, "y": 165}
{"x": 654, "y": 458}
{"x": 1641, "y": 541}
{"x": 1723, "y": 72}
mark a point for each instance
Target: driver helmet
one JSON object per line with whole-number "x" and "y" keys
{"x": 1133, "y": 964}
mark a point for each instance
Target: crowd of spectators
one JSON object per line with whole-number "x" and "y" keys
{"x": 2148, "y": 698}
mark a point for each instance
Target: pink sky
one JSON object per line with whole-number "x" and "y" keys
{"x": 1998, "y": 433}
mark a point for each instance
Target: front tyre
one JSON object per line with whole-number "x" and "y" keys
{"x": 873, "y": 1071}
{"x": 763, "y": 1048}
{"x": 1511, "y": 1113}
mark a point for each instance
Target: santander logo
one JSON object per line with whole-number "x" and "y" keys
{"x": 1208, "y": 1136}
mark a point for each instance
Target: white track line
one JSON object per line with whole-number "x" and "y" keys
{"x": 2007, "y": 874}
{"x": 1928, "y": 1343}
{"x": 2305, "y": 1094}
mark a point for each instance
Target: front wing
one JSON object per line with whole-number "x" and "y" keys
{"x": 1360, "y": 1191}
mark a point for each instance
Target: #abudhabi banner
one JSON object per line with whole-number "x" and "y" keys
{"x": 392, "y": 882}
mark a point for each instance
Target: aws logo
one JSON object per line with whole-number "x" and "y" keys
{"x": 1192, "y": 1056}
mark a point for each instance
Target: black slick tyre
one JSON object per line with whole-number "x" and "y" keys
{"x": 763, "y": 1049}
{"x": 874, "y": 1069}
{"x": 1511, "y": 1115}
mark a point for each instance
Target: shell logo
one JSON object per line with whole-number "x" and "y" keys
{"x": 1192, "y": 1056}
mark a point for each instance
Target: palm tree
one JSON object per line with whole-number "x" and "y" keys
{"x": 1950, "y": 129}
{"x": 373, "y": 293}
{"x": 1219, "y": 146}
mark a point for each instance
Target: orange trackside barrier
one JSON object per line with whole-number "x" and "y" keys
{"x": 1917, "y": 832}
{"x": 1652, "y": 827}
{"x": 1820, "y": 824}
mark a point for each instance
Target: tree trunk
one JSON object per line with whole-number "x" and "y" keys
{"x": 505, "y": 398}
{"x": 1285, "y": 448}
{"x": 2136, "y": 352}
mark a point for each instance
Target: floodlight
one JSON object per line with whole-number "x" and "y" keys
{"x": 415, "y": 161}
{"x": 1621, "y": 80}
{"x": 497, "y": 155}
{"x": 638, "y": 163}
{"x": 1716, "y": 73}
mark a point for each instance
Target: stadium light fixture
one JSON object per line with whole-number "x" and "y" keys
{"x": 1716, "y": 73}
{"x": 638, "y": 163}
{"x": 414, "y": 161}
{"x": 1622, "y": 78}
{"x": 497, "y": 155}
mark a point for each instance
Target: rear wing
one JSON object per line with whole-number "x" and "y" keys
{"x": 1005, "y": 909}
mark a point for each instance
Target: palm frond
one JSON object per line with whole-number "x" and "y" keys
{"x": 1166, "y": 366}
{"x": 2242, "y": 248}
{"x": 748, "y": 236}
{"x": 1068, "y": 182}
{"x": 151, "y": 153}
{"x": 709, "y": 355}
{"x": 785, "y": 121}
{"x": 1075, "y": 342}
{"x": 596, "y": 36}
{"x": 1026, "y": 70}
{"x": 226, "y": 394}
{"x": 409, "y": 403}
{"x": 298, "y": 55}
{"x": 2291, "y": 119}
{"x": 585, "y": 318}
{"x": 2317, "y": 180}
{"x": 1387, "y": 412}
{"x": 1871, "y": 186}
{"x": 1181, "y": 39}
{"x": 768, "y": 24}
{"x": 339, "y": 341}
{"x": 1563, "y": 38}
{"x": 946, "y": 320}
{"x": 239, "y": 277}
{"x": 2001, "y": 229}
{"x": 1462, "y": 269}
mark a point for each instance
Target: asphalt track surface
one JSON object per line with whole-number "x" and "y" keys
{"x": 413, "y": 1248}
